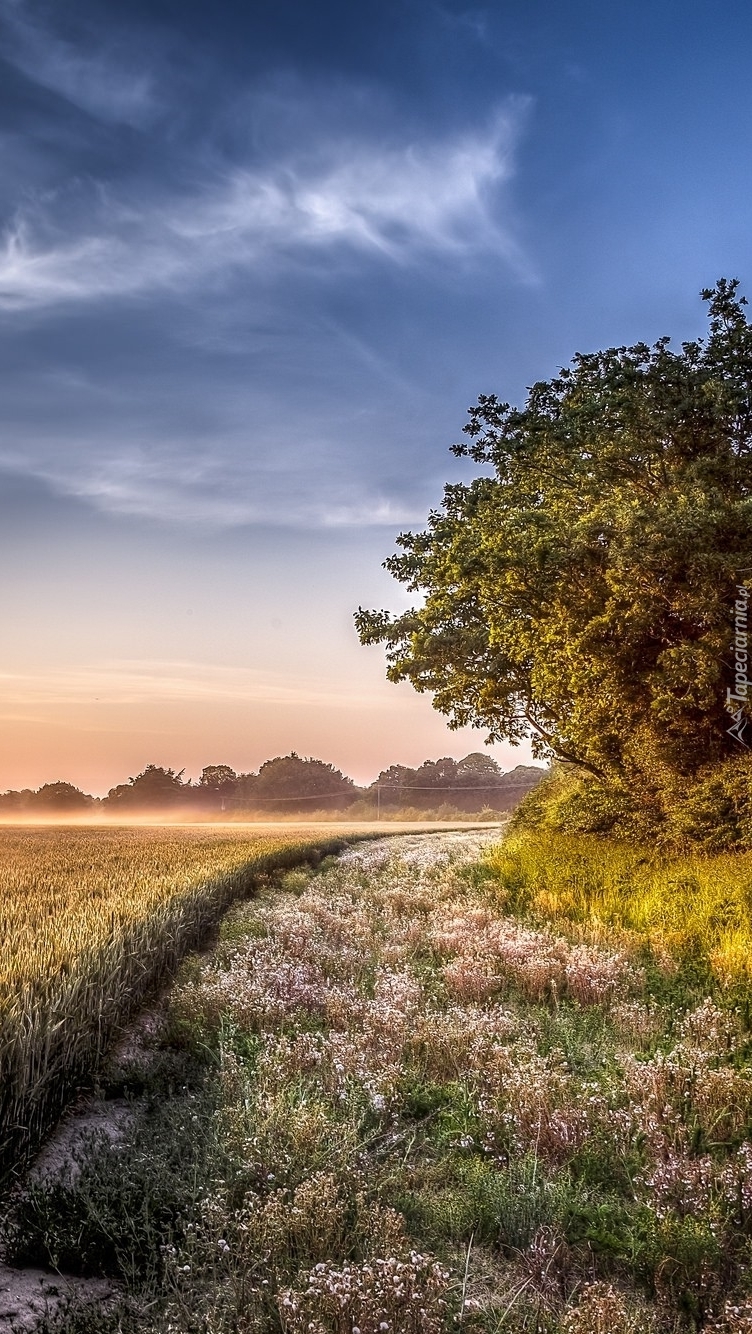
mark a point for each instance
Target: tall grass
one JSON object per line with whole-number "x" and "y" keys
{"x": 688, "y": 905}
{"x": 90, "y": 921}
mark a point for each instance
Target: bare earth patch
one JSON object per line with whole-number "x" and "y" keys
{"x": 27, "y": 1296}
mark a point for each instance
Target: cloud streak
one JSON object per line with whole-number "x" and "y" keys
{"x": 400, "y": 204}
{"x": 108, "y": 81}
{"x": 127, "y": 682}
{"x": 216, "y": 488}
{"x": 218, "y": 277}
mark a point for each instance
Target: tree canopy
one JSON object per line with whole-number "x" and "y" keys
{"x": 291, "y": 778}
{"x": 50, "y": 799}
{"x": 216, "y": 776}
{"x": 154, "y": 788}
{"x": 62, "y": 796}
{"x": 468, "y": 784}
{"x": 581, "y": 591}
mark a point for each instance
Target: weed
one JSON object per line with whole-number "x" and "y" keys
{"x": 115, "y": 1207}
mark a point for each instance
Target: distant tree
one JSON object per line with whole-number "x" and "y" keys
{"x": 15, "y": 802}
{"x": 478, "y": 768}
{"x": 61, "y": 797}
{"x": 394, "y": 784}
{"x": 469, "y": 784}
{"x": 153, "y": 789}
{"x": 396, "y": 775}
{"x": 440, "y": 774}
{"x": 291, "y": 782}
{"x": 217, "y": 786}
{"x": 525, "y": 773}
{"x": 216, "y": 776}
{"x": 479, "y": 783}
{"x": 245, "y": 788}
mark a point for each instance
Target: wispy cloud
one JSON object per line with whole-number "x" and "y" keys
{"x": 105, "y": 79}
{"x": 135, "y": 681}
{"x": 440, "y": 197}
{"x": 211, "y": 489}
{"x": 231, "y": 300}
{"x": 474, "y": 21}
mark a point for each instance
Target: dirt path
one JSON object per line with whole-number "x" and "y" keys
{"x": 31, "y": 1296}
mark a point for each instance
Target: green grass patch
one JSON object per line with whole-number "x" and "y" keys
{"x": 695, "y": 909}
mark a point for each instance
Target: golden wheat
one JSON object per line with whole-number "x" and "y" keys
{"x": 90, "y": 920}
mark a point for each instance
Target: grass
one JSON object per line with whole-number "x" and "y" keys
{"x": 696, "y": 908}
{"x": 92, "y": 919}
{"x": 401, "y": 1097}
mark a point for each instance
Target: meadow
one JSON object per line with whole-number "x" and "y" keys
{"x": 428, "y": 1086}
{"x": 91, "y": 920}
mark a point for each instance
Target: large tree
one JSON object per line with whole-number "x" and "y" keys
{"x": 153, "y": 789}
{"x": 60, "y": 796}
{"x": 581, "y": 590}
{"x": 290, "y": 782}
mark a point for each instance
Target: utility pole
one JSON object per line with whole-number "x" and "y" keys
{"x": 378, "y": 801}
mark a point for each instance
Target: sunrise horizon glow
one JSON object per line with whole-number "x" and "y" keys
{"x": 255, "y": 265}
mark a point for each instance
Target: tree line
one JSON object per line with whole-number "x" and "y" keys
{"x": 289, "y": 784}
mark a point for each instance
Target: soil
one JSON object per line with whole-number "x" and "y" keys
{"x": 28, "y": 1296}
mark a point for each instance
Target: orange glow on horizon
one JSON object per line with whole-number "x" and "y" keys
{"x": 96, "y": 728}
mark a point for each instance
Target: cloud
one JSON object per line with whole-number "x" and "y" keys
{"x": 306, "y": 430}
{"x": 136, "y": 681}
{"x": 402, "y": 204}
{"x": 212, "y": 489}
{"x": 472, "y": 21}
{"x": 106, "y": 79}
{"x": 225, "y": 317}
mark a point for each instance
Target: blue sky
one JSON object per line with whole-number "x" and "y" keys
{"x": 256, "y": 261}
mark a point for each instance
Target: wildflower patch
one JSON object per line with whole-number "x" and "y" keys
{"x": 429, "y": 1115}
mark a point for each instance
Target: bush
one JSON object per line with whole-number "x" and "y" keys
{"x": 712, "y": 813}
{"x": 715, "y": 813}
{"x": 572, "y": 803}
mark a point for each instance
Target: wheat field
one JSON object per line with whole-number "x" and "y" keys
{"x": 91, "y": 919}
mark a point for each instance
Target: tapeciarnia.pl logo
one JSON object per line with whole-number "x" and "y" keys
{"x": 737, "y": 699}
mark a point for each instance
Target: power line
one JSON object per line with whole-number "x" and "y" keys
{"x": 378, "y": 787}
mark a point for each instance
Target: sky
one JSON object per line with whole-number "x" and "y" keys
{"x": 256, "y": 262}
